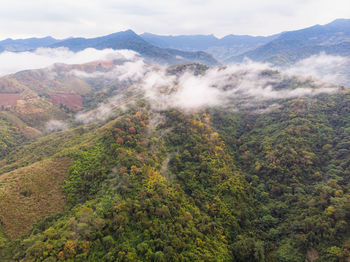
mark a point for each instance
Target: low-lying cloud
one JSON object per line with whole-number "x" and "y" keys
{"x": 236, "y": 86}
{"x": 328, "y": 68}
{"x": 56, "y": 125}
{"x": 12, "y": 62}
{"x": 103, "y": 111}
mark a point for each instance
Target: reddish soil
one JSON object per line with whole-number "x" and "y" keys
{"x": 9, "y": 99}
{"x": 72, "y": 101}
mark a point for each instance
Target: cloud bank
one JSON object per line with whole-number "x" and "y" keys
{"x": 233, "y": 86}
{"x": 12, "y": 62}
{"x": 242, "y": 85}
{"x": 328, "y": 68}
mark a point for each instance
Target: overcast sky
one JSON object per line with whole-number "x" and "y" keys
{"x": 88, "y": 18}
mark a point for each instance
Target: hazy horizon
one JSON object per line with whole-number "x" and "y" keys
{"x": 63, "y": 19}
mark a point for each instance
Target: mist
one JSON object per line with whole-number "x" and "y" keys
{"x": 237, "y": 86}
{"x": 56, "y": 125}
{"x": 328, "y": 68}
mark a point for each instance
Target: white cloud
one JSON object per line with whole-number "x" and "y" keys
{"x": 236, "y": 85}
{"x": 328, "y": 68}
{"x": 11, "y": 62}
{"x": 56, "y": 125}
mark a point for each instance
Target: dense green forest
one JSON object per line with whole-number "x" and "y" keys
{"x": 214, "y": 184}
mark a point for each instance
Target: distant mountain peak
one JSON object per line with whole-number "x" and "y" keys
{"x": 339, "y": 21}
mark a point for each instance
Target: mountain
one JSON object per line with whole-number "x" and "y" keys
{"x": 289, "y": 47}
{"x": 21, "y": 45}
{"x": 30, "y": 99}
{"x": 101, "y": 162}
{"x": 220, "y": 48}
{"x": 121, "y": 40}
{"x": 129, "y": 40}
{"x": 149, "y": 169}
{"x": 182, "y": 42}
{"x": 285, "y": 48}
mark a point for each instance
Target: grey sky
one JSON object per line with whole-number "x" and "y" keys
{"x": 64, "y": 18}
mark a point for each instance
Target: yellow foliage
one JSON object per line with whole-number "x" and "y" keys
{"x": 330, "y": 210}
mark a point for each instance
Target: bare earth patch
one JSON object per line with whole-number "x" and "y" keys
{"x": 9, "y": 99}
{"x": 73, "y": 101}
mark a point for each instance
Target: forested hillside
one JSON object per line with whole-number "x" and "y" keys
{"x": 246, "y": 180}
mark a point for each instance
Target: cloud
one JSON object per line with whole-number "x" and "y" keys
{"x": 238, "y": 85}
{"x": 328, "y": 68}
{"x": 128, "y": 70}
{"x": 101, "y": 113}
{"x": 11, "y": 62}
{"x": 104, "y": 110}
{"x": 56, "y": 125}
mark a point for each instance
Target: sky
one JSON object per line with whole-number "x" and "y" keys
{"x": 90, "y": 18}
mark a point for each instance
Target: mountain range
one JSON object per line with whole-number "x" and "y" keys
{"x": 289, "y": 47}
{"x": 121, "y": 40}
{"x": 281, "y": 49}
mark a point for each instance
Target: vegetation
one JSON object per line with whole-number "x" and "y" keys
{"x": 210, "y": 185}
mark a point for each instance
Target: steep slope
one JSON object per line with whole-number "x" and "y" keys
{"x": 289, "y": 47}
{"x": 296, "y": 158}
{"x": 125, "y": 184}
{"x": 31, "y": 193}
{"x": 260, "y": 176}
{"x": 30, "y": 99}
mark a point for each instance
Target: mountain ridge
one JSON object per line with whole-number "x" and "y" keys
{"x": 292, "y": 46}
{"x": 280, "y": 49}
{"x": 121, "y": 40}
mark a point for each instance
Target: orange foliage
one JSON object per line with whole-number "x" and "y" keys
{"x": 120, "y": 140}
{"x": 60, "y": 255}
{"x": 69, "y": 247}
